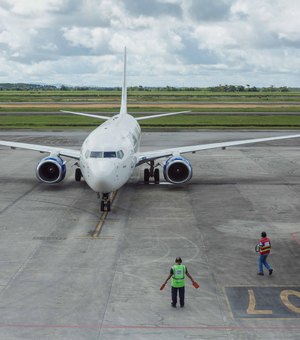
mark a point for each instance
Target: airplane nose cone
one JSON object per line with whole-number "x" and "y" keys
{"x": 101, "y": 177}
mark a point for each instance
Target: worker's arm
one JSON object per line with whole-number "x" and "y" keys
{"x": 190, "y": 277}
{"x": 168, "y": 278}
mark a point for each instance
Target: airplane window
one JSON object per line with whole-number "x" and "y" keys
{"x": 105, "y": 154}
{"x": 110, "y": 154}
{"x": 87, "y": 153}
{"x": 120, "y": 154}
{"x": 96, "y": 154}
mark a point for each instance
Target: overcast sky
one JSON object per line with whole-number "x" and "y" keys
{"x": 169, "y": 42}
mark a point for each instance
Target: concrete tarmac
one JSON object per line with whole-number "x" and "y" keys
{"x": 59, "y": 282}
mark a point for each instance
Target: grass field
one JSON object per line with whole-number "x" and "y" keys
{"x": 147, "y": 96}
{"x": 149, "y": 108}
{"x": 181, "y": 121}
{"x": 16, "y": 106}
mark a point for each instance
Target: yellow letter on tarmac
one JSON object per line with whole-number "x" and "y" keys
{"x": 252, "y": 302}
{"x": 284, "y": 296}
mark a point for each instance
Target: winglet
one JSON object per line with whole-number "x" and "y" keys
{"x": 123, "y": 109}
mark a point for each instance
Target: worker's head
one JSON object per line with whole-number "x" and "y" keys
{"x": 178, "y": 260}
{"x": 263, "y": 234}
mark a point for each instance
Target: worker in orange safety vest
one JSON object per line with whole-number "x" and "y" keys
{"x": 264, "y": 251}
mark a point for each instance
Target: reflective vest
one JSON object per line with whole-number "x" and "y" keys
{"x": 265, "y": 246}
{"x": 178, "y": 276}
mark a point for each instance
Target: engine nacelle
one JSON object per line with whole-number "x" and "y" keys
{"x": 177, "y": 170}
{"x": 51, "y": 170}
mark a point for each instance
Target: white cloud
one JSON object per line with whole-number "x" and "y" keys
{"x": 91, "y": 38}
{"x": 170, "y": 42}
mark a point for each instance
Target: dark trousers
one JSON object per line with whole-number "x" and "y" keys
{"x": 181, "y": 296}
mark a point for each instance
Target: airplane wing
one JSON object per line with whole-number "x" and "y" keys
{"x": 143, "y": 157}
{"x": 43, "y": 148}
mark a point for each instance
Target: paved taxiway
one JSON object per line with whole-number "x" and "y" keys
{"x": 57, "y": 282}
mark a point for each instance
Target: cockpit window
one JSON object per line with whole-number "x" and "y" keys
{"x": 106, "y": 154}
{"x": 120, "y": 154}
{"x": 96, "y": 154}
{"x": 110, "y": 154}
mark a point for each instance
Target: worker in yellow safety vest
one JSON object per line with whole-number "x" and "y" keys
{"x": 177, "y": 273}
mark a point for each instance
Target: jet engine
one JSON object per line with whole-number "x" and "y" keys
{"x": 177, "y": 170}
{"x": 51, "y": 170}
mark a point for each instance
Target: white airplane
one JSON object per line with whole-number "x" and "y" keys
{"x": 110, "y": 154}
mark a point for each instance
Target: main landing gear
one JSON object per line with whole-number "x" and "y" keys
{"x": 78, "y": 175}
{"x": 105, "y": 202}
{"x": 151, "y": 172}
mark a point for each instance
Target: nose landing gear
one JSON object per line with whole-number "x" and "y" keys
{"x": 105, "y": 202}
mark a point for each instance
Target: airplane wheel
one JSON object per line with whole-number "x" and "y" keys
{"x": 78, "y": 175}
{"x": 146, "y": 176}
{"x": 105, "y": 206}
{"x": 156, "y": 176}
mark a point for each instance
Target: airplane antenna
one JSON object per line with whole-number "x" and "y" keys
{"x": 123, "y": 109}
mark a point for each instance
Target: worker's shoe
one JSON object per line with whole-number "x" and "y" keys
{"x": 181, "y": 306}
{"x": 172, "y": 304}
{"x": 270, "y": 271}
{"x": 260, "y": 273}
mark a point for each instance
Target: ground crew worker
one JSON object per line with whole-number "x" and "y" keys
{"x": 177, "y": 273}
{"x": 264, "y": 251}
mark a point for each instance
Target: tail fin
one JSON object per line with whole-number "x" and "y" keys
{"x": 123, "y": 109}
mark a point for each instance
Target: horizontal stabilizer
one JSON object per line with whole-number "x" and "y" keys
{"x": 86, "y": 114}
{"x": 161, "y": 115}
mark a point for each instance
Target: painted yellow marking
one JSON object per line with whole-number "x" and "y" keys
{"x": 252, "y": 303}
{"x": 99, "y": 226}
{"x": 284, "y": 296}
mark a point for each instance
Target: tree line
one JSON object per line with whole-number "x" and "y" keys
{"x": 219, "y": 88}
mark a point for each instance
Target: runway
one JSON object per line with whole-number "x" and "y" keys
{"x": 57, "y": 281}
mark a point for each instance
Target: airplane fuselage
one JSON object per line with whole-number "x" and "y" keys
{"x": 107, "y": 156}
